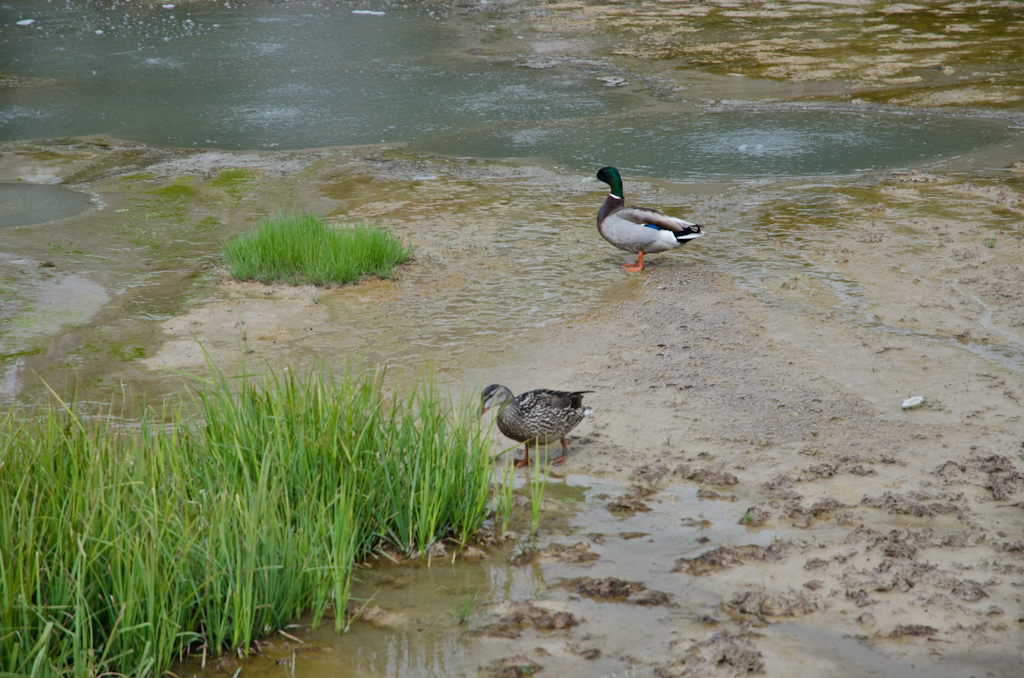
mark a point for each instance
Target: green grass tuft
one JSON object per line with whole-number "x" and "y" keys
{"x": 301, "y": 248}
{"x": 537, "y": 487}
{"x": 463, "y": 605}
{"x": 127, "y": 544}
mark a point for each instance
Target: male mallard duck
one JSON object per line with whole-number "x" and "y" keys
{"x": 639, "y": 229}
{"x": 536, "y": 416}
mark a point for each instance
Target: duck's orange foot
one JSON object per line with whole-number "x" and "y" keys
{"x": 558, "y": 461}
{"x": 520, "y": 463}
{"x": 637, "y": 265}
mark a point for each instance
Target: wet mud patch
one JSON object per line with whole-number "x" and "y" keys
{"x": 517, "y": 666}
{"x": 721, "y": 654}
{"x": 706, "y": 475}
{"x": 579, "y": 553}
{"x": 613, "y": 588}
{"x": 729, "y": 556}
{"x": 514, "y": 618}
{"x": 609, "y": 587}
{"x": 630, "y": 502}
{"x": 915, "y": 630}
{"x": 761, "y": 604}
{"x": 903, "y": 505}
{"x": 648, "y": 476}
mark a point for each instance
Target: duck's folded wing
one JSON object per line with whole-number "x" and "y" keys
{"x": 648, "y": 216}
{"x": 565, "y": 399}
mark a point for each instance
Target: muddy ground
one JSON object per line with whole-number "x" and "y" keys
{"x": 777, "y": 393}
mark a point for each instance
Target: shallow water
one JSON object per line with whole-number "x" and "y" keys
{"x": 244, "y": 75}
{"x": 22, "y": 205}
{"x": 241, "y": 75}
{"x": 709, "y": 146}
{"x": 427, "y": 640}
{"x": 431, "y": 642}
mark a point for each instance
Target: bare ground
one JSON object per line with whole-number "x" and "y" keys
{"x": 900, "y": 527}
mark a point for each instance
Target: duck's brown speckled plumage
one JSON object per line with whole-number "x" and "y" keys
{"x": 538, "y": 416}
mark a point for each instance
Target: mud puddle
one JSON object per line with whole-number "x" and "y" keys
{"x": 603, "y": 590}
{"x": 24, "y": 205}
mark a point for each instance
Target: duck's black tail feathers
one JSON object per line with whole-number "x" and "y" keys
{"x": 689, "y": 233}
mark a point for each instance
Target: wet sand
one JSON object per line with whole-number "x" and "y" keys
{"x": 760, "y": 371}
{"x": 780, "y": 396}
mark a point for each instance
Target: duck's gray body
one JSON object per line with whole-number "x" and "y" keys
{"x": 641, "y": 230}
{"x": 538, "y": 416}
{"x": 644, "y": 229}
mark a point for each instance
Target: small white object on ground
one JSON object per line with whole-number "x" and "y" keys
{"x": 367, "y": 11}
{"x": 26, "y": 22}
{"x": 167, "y": 6}
{"x": 912, "y": 402}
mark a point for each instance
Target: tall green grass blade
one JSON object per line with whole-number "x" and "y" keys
{"x": 537, "y": 487}
{"x": 127, "y": 543}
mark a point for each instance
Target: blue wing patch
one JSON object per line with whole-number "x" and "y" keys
{"x": 656, "y": 228}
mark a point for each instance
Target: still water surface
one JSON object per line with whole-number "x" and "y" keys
{"x": 23, "y": 204}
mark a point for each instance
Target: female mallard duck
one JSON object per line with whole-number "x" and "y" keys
{"x": 536, "y": 416}
{"x": 639, "y": 229}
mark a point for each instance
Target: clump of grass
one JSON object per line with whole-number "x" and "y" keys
{"x": 126, "y": 546}
{"x": 991, "y": 242}
{"x": 301, "y": 248}
{"x": 463, "y": 606}
{"x": 537, "y": 487}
